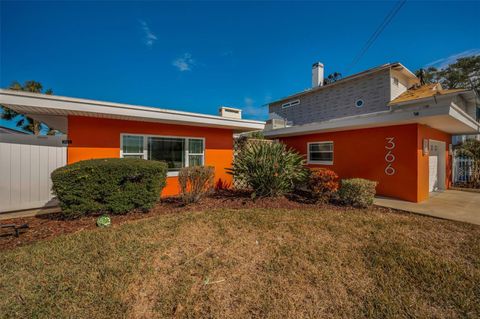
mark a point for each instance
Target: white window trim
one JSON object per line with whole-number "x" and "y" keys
{"x": 321, "y": 162}
{"x": 145, "y": 147}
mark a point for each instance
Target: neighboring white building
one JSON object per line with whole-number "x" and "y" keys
{"x": 462, "y": 138}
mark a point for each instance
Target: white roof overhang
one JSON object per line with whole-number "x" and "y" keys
{"x": 446, "y": 117}
{"x": 51, "y": 106}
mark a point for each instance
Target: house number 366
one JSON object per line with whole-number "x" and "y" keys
{"x": 389, "y": 157}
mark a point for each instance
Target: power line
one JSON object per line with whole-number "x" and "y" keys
{"x": 388, "y": 18}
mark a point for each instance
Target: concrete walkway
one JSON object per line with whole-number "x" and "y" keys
{"x": 452, "y": 204}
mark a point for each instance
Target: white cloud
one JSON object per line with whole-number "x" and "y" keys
{"x": 149, "y": 36}
{"x": 256, "y": 112}
{"x": 184, "y": 63}
{"x": 444, "y": 62}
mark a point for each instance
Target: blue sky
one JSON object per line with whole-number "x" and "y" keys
{"x": 196, "y": 56}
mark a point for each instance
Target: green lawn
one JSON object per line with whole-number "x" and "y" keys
{"x": 250, "y": 263}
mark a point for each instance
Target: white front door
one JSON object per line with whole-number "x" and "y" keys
{"x": 436, "y": 166}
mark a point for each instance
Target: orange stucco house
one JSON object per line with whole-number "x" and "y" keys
{"x": 380, "y": 124}
{"x": 97, "y": 129}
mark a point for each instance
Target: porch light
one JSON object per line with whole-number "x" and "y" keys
{"x": 426, "y": 146}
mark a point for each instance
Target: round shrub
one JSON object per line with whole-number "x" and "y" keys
{"x": 322, "y": 184}
{"x": 112, "y": 185}
{"x": 357, "y": 192}
{"x": 269, "y": 168}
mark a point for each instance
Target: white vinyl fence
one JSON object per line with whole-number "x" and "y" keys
{"x": 463, "y": 170}
{"x": 26, "y": 162}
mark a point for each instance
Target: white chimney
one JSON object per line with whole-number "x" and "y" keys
{"x": 230, "y": 112}
{"x": 317, "y": 74}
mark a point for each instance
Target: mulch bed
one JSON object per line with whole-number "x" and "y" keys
{"x": 52, "y": 225}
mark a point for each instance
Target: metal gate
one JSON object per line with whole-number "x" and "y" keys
{"x": 26, "y": 162}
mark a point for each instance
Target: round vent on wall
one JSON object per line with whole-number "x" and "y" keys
{"x": 359, "y": 103}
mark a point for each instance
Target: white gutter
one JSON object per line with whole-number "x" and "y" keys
{"x": 463, "y": 117}
{"x": 34, "y": 103}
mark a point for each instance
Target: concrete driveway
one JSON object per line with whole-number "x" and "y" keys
{"x": 452, "y": 204}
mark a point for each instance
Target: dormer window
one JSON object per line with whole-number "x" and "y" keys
{"x": 395, "y": 81}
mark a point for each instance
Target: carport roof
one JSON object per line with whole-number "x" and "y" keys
{"x": 35, "y": 104}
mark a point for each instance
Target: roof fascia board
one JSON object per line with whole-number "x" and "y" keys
{"x": 463, "y": 117}
{"x": 405, "y": 68}
{"x": 111, "y": 104}
{"x": 91, "y": 107}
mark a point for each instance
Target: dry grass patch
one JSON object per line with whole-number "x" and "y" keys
{"x": 251, "y": 263}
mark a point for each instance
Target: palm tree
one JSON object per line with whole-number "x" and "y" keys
{"x": 33, "y": 86}
{"x": 334, "y": 77}
{"x": 22, "y": 121}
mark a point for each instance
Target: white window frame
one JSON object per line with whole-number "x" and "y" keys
{"x": 145, "y": 147}
{"x": 290, "y": 104}
{"x": 143, "y": 154}
{"x": 321, "y": 162}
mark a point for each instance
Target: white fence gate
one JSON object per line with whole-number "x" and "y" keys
{"x": 26, "y": 162}
{"x": 462, "y": 170}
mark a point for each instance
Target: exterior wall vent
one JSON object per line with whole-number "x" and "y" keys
{"x": 290, "y": 104}
{"x": 359, "y": 103}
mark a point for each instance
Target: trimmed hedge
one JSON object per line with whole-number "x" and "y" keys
{"x": 357, "y": 192}
{"x": 114, "y": 185}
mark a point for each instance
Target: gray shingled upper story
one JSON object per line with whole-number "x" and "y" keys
{"x": 337, "y": 100}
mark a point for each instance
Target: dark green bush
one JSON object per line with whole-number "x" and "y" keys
{"x": 115, "y": 185}
{"x": 195, "y": 182}
{"x": 269, "y": 168}
{"x": 357, "y": 192}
